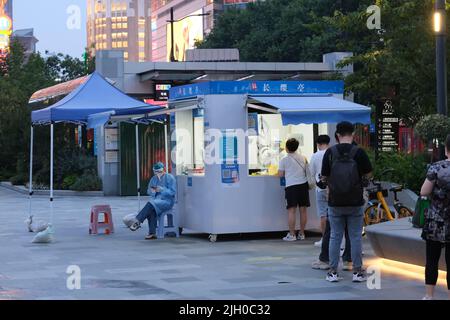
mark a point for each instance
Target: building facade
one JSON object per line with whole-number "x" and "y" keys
{"x": 120, "y": 24}
{"x": 189, "y": 28}
{"x": 27, "y": 39}
{"x": 6, "y": 24}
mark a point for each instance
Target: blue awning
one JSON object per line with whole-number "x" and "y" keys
{"x": 141, "y": 115}
{"x": 316, "y": 109}
{"x": 99, "y": 119}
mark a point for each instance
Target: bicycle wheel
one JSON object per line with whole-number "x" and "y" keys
{"x": 404, "y": 212}
{"x": 373, "y": 216}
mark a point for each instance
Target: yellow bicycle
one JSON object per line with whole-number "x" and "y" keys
{"x": 378, "y": 210}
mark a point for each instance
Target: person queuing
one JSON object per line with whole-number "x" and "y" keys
{"x": 344, "y": 169}
{"x": 323, "y": 263}
{"x": 293, "y": 167}
{"x": 323, "y": 143}
{"x": 436, "y": 230}
{"x": 162, "y": 190}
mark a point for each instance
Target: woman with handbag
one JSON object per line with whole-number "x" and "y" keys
{"x": 436, "y": 229}
{"x": 295, "y": 169}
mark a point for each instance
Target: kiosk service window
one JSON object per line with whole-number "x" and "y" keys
{"x": 267, "y": 138}
{"x": 190, "y": 142}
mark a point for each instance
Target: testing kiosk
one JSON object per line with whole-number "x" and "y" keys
{"x": 227, "y": 140}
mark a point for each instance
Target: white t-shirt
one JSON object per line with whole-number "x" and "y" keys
{"x": 316, "y": 166}
{"x": 293, "y": 166}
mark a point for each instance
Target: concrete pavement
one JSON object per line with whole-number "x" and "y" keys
{"x": 124, "y": 266}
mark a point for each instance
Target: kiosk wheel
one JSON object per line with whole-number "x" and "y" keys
{"x": 212, "y": 238}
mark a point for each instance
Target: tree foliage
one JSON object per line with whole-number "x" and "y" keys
{"x": 20, "y": 77}
{"x": 435, "y": 126}
{"x": 396, "y": 62}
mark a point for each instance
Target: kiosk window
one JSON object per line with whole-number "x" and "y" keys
{"x": 190, "y": 142}
{"x": 267, "y": 139}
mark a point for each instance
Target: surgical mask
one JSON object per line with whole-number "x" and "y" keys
{"x": 159, "y": 174}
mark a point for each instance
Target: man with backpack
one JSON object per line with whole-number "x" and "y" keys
{"x": 345, "y": 169}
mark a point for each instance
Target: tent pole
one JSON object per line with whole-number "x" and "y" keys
{"x": 30, "y": 186}
{"x": 138, "y": 167}
{"x": 51, "y": 173}
{"x": 166, "y": 146}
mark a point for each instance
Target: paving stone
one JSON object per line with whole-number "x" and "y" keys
{"x": 124, "y": 266}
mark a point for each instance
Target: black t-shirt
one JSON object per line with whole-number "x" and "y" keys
{"x": 361, "y": 159}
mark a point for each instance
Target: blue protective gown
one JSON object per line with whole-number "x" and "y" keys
{"x": 165, "y": 199}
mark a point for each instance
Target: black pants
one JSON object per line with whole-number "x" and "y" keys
{"x": 324, "y": 253}
{"x": 434, "y": 250}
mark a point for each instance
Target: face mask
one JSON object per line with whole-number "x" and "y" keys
{"x": 159, "y": 174}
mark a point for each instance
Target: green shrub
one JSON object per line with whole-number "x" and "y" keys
{"x": 18, "y": 180}
{"x": 409, "y": 170}
{"x": 435, "y": 126}
{"x": 88, "y": 181}
{"x": 70, "y": 164}
{"x": 69, "y": 181}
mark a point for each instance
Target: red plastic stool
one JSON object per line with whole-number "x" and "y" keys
{"x": 107, "y": 224}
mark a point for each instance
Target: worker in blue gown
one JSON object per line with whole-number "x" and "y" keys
{"x": 162, "y": 190}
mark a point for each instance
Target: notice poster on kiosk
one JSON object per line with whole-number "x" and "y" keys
{"x": 230, "y": 175}
{"x": 230, "y": 166}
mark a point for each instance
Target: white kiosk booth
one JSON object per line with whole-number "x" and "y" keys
{"x": 227, "y": 139}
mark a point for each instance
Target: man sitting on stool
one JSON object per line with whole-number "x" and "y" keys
{"x": 161, "y": 189}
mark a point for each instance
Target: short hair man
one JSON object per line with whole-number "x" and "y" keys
{"x": 344, "y": 167}
{"x": 323, "y": 143}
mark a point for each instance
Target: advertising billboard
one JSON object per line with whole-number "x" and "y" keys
{"x": 162, "y": 92}
{"x": 5, "y": 24}
{"x": 186, "y": 31}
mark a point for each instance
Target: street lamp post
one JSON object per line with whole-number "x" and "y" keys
{"x": 440, "y": 29}
{"x": 172, "y": 21}
{"x": 441, "y": 55}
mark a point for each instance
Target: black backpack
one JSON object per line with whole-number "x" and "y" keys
{"x": 344, "y": 182}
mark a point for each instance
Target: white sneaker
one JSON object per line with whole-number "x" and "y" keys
{"x": 359, "y": 277}
{"x": 320, "y": 265}
{"x": 135, "y": 225}
{"x": 301, "y": 236}
{"x": 333, "y": 277}
{"x": 427, "y": 298}
{"x": 318, "y": 243}
{"x": 289, "y": 237}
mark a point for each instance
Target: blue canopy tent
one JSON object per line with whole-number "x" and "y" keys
{"x": 95, "y": 96}
{"x": 136, "y": 116}
{"x": 316, "y": 109}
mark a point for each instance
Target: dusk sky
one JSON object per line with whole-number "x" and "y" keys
{"x": 49, "y": 20}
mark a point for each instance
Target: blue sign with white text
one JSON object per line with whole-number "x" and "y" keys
{"x": 257, "y": 88}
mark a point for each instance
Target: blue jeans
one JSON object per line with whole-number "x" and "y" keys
{"x": 340, "y": 217}
{"x": 149, "y": 213}
{"x": 325, "y": 251}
